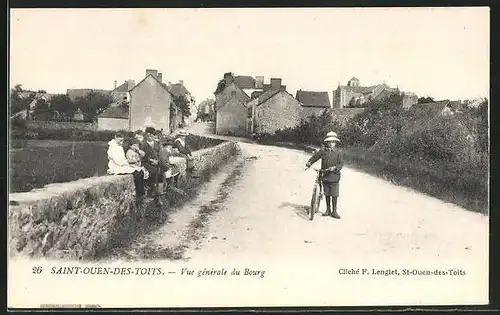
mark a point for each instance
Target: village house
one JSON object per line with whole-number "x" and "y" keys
{"x": 273, "y": 110}
{"x": 313, "y": 103}
{"x": 230, "y": 115}
{"x": 233, "y": 119}
{"x": 150, "y": 104}
{"x": 355, "y": 95}
{"x": 120, "y": 94}
{"x": 438, "y": 108}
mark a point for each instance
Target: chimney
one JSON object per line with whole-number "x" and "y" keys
{"x": 259, "y": 82}
{"x": 228, "y": 78}
{"x": 181, "y": 82}
{"x": 275, "y": 83}
{"x": 115, "y": 84}
{"x": 160, "y": 76}
{"x": 152, "y": 72}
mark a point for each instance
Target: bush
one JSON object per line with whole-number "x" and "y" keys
{"x": 464, "y": 186}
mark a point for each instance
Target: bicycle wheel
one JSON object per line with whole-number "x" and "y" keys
{"x": 315, "y": 200}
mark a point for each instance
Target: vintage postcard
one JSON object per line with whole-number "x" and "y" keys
{"x": 248, "y": 157}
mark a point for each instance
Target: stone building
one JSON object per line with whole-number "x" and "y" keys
{"x": 150, "y": 104}
{"x": 354, "y": 95}
{"x": 313, "y": 103}
{"x": 230, "y": 117}
{"x": 273, "y": 110}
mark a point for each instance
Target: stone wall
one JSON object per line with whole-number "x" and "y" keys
{"x": 279, "y": 112}
{"x": 83, "y": 218}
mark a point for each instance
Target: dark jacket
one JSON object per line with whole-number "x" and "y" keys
{"x": 182, "y": 148}
{"x": 329, "y": 158}
{"x": 164, "y": 157}
{"x": 151, "y": 152}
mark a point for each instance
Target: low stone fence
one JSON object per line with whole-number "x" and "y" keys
{"x": 83, "y": 218}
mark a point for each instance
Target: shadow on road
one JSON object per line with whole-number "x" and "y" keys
{"x": 300, "y": 210}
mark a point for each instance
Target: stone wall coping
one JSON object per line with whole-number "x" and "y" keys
{"x": 52, "y": 190}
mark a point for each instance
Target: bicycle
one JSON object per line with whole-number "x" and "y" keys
{"x": 317, "y": 194}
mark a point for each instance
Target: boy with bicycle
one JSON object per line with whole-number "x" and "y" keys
{"x": 331, "y": 164}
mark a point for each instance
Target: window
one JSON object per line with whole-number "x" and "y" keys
{"x": 233, "y": 93}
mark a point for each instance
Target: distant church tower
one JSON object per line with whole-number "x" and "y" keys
{"x": 353, "y": 82}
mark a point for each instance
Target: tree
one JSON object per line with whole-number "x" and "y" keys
{"x": 93, "y": 104}
{"x": 222, "y": 83}
{"x": 183, "y": 105}
{"x": 42, "y": 110}
{"x": 382, "y": 117}
{"x": 205, "y": 110}
{"x": 63, "y": 104}
{"x": 16, "y": 102}
{"x": 427, "y": 99}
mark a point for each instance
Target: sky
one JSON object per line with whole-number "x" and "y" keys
{"x": 438, "y": 52}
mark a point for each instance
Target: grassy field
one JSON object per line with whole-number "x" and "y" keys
{"x": 43, "y": 163}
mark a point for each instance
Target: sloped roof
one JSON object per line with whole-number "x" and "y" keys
{"x": 313, "y": 99}
{"x": 267, "y": 95}
{"x": 177, "y": 89}
{"x": 116, "y": 112}
{"x": 75, "y": 93}
{"x": 122, "y": 88}
{"x": 245, "y": 81}
{"x": 256, "y": 94}
{"x": 163, "y": 85}
{"x": 431, "y": 109}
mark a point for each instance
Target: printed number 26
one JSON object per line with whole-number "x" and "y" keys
{"x": 37, "y": 269}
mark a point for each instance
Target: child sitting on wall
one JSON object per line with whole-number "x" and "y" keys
{"x": 118, "y": 163}
{"x": 135, "y": 154}
{"x": 171, "y": 171}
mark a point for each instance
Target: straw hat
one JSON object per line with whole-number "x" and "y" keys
{"x": 182, "y": 133}
{"x": 331, "y": 136}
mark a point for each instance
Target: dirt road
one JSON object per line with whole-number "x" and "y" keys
{"x": 252, "y": 215}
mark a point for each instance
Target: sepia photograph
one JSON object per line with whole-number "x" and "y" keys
{"x": 248, "y": 157}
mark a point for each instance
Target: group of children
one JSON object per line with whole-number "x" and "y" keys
{"x": 147, "y": 156}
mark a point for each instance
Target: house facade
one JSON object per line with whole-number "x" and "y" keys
{"x": 313, "y": 103}
{"x": 274, "y": 110}
{"x": 150, "y": 104}
{"x": 232, "y": 118}
{"x": 252, "y": 92}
